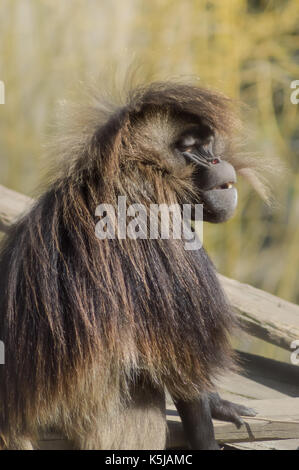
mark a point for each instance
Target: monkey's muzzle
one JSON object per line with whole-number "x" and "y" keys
{"x": 215, "y": 180}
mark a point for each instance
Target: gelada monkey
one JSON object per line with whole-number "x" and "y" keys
{"x": 96, "y": 329}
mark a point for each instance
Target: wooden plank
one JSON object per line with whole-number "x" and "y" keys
{"x": 61, "y": 443}
{"x": 55, "y": 442}
{"x": 246, "y": 388}
{"x": 12, "y": 205}
{"x": 285, "y": 444}
{"x": 260, "y": 378}
{"x": 263, "y": 315}
{"x": 274, "y": 424}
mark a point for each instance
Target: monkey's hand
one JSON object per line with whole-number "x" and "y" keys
{"x": 227, "y": 411}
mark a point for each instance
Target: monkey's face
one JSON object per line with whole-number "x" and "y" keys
{"x": 214, "y": 178}
{"x": 179, "y": 141}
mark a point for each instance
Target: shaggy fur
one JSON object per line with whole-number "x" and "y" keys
{"x": 95, "y": 329}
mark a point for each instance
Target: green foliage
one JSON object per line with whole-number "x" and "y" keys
{"x": 248, "y": 49}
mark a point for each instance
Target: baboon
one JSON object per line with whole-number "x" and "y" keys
{"x": 96, "y": 329}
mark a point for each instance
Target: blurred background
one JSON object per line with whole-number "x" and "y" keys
{"x": 249, "y": 49}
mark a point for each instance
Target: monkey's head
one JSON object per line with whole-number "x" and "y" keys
{"x": 186, "y": 147}
{"x": 171, "y": 142}
{"x": 187, "y": 134}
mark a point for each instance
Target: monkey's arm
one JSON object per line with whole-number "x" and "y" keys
{"x": 227, "y": 411}
{"x": 197, "y": 423}
{"x": 197, "y": 417}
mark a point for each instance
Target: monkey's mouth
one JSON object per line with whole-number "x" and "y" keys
{"x": 214, "y": 179}
{"x": 224, "y": 186}
{"x": 217, "y": 193}
{"x": 219, "y": 203}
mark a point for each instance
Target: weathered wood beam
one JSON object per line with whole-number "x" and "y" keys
{"x": 12, "y": 205}
{"x": 285, "y": 444}
{"x": 262, "y": 314}
{"x": 276, "y": 423}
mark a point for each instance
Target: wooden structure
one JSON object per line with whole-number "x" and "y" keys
{"x": 268, "y": 386}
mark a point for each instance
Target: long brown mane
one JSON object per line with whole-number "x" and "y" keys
{"x": 82, "y": 315}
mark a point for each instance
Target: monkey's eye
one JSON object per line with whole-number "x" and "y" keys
{"x": 187, "y": 143}
{"x": 189, "y": 140}
{"x": 188, "y": 149}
